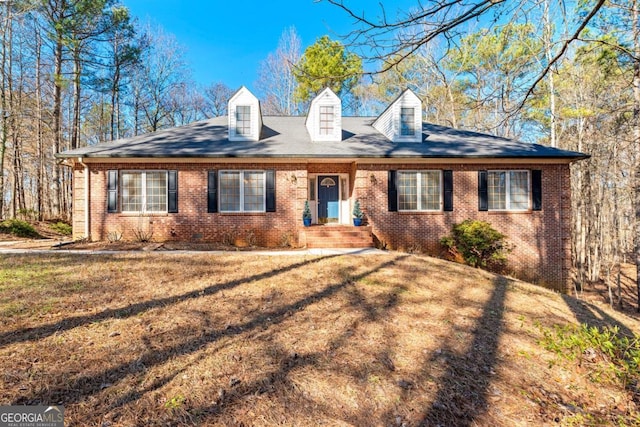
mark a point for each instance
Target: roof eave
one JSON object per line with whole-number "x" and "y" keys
{"x": 568, "y": 158}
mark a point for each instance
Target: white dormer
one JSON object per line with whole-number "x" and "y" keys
{"x": 245, "y": 117}
{"x": 324, "y": 121}
{"x": 402, "y": 120}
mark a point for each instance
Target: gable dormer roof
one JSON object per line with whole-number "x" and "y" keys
{"x": 324, "y": 121}
{"x": 245, "y": 116}
{"x": 402, "y": 120}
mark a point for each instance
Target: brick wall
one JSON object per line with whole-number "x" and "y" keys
{"x": 192, "y": 222}
{"x": 541, "y": 239}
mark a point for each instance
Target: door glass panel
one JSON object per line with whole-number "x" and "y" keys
{"x": 327, "y": 182}
{"x": 312, "y": 189}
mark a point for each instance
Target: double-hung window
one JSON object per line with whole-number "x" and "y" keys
{"x": 508, "y": 190}
{"x": 326, "y": 119}
{"x": 407, "y": 122}
{"x": 242, "y": 191}
{"x": 243, "y": 120}
{"x": 144, "y": 191}
{"x": 419, "y": 190}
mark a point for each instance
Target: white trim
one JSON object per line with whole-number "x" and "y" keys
{"x": 418, "y": 189}
{"x": 507, "y": 184}
{"x": 412, "y": 123}
{"x": 344, "y": 214}
{"x": 241, "y": 194}
{"x": 144, "y": 173}
{"x": 243, "y": 134}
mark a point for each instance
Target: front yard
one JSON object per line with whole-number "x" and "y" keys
{"x": 241, "y": 339}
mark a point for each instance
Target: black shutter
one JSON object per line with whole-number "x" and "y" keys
{"x": 271, "y": 190}
{"x": 447, "y": 184}
{"x": 483, "y": 195}
{"x": 392, "y": 191}
{"x": 172, "y": 191}
{"x": 212, "y": 192}
{"x": 536, "y": 189}
{"x": 112, "y": 191}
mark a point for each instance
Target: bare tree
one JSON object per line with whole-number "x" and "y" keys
{"x": 400, "y": 37}
{"x": 276, "y": 82}
{"x": 161, "y": 71}
{"x": 5, "y": 76}
{"x": 216, "y": 97}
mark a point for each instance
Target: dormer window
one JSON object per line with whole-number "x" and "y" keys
{"x": 407, "y": 122}
{"x": 402, "y": 120}
{"x": 243, "y": 120}
{"x": 326, "y": 119}
{"x": 245, "y": 117}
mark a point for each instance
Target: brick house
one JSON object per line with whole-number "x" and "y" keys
{"x": 248, "y": 175}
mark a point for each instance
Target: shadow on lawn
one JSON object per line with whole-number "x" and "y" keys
{"x": 43, "y": 331}
{"x": 463, "y": 390}
{"x": 288, "y": 362}
{"x": 85, "y": 386}
{"x": 592, "y": 315}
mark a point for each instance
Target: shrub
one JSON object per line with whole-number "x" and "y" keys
{"x": 357, "y": 211}
{"x": 114, "y": 235}
{"x": 479, "y": 244}
{"x": 141, "y": 235}
{"x": 27, "y": 214}
{"x": 306, "y": 213}
{"x": 62, "y": 228}
{"x": 18, "y": 227}
{"x": 607, "y": 354}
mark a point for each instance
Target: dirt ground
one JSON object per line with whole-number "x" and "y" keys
{"x": 165, "y": 338}
{"x": 625, "y": 300}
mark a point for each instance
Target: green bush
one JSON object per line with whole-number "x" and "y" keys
{"x": 479, "y": 244}
{"x": 357, "y": 211}
{"x": 306, "y": 213}
{"x": 610, "y": 355}
{"x": 18, "y": 227}
{"x": 62, "y": 228}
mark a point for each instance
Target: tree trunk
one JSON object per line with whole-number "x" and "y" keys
{"x": 4, "y": 114}
{"x": 549, "y": 55}
{"x": 77, "y": 70}
{"x": 39, "y": 142}
{"x": 57, "y": 124}
{"x": 636, "y": 138}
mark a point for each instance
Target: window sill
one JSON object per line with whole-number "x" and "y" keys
{"x": 242, "y": 213}
{"x": 528, "y": 211}
{"x": 420, "y": 212}
{"x": 142, "y": 214}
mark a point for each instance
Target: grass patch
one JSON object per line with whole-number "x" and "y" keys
{"x": 241, "y": 339}
{"x": 18, "y": 228}
{"x": 609, "y": 355}
{"x": 62, "y": 228}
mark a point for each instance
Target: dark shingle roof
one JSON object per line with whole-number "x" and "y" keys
{"x": 287, "y": 137}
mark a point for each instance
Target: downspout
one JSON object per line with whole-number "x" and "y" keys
{"x": 86, "y": 198}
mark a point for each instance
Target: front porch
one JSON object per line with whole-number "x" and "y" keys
{"x": 337, "y": 236}
{"x": 329, "y": 196}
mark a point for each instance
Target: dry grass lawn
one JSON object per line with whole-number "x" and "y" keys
{"x": 390, "y": 340}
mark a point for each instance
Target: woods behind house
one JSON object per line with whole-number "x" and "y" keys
{"x": 81, "y": 72}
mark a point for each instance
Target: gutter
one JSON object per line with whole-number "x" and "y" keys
{"x": 87, "y": 228}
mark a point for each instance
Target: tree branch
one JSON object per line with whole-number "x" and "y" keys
{"x": 561, "y": 53}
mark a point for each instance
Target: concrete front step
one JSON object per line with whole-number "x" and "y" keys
{"x": 338, "y": 236}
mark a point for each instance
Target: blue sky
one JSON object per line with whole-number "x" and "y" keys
{"x": 226, "y": 40}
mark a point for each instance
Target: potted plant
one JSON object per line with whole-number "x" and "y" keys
{"x": 357, "y": 214}
{"x": 306, "y": 214}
